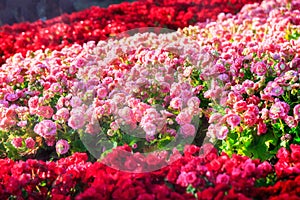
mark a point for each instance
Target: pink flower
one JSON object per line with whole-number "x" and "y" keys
{"x": 297, "y": 112}
{"x": 240, "y": 106}
{"x": 233, "y": 120}
{"x": 45, "y": 128}
{"x": 221, "y": 132}
{"x": 193, "y": 103}
{"x": 264, "y": 113}
{"x": 75, "y": 101}
{"x": 62, "y": 146}
{"x": 276, "y": 91}
{"x": 250, "y": 118}
{"x": 149, "y": 128}
{"x": 259, "y": 68}
{"x": 187, "y": 130}
{"x": 76, "y": 121}
{"x": 45, "y": 111}
{"x": 278, "y": 110}
{"x": 183, "y": 118}
{"x": 261, "y": 128}
{"x": 102, "y": 92}
{"x": 30, "y": 143}
{"x": 222, "y": 178}
{"x": 176, "y": 103}
{"x": 290, "y": 121}
{"x": 295, "y": 152}
{"x": 17, "y": 142}
{"x": 186, "y": 178}
{"x": 22, "y": 123}
{"x": 33, "y": 104}
{"x": 56, "y": 87}
{"x": 215, "y": 117}
{"x": 12, "y": 97}
{"x": 62, "y": 114}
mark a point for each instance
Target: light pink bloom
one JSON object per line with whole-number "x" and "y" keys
{"x": 264, "y": 113}
{"x": 176, "y": 103}
{"x": 149, "y": 128}
{"x": 296, "y": 111}
{"x": 102, "y": 92}
{"x": 22, "y": 123}
{"x": 76, "y": 121}
{"x": 278, "y": 110}
{"x": 62, "y": 146}
{"x": 62, "y": 114}
{"x": 221, "y": 132}
{"x": 215, "y": 118}
{"x": 187, "y": 130}
{"x": 56, "y": 87}
{"x": 45, "y": 128}
{"x": 30, "y": 143}
{"x": 193, "y": 103}
{"x": 183, "y": 117}
{"x": 75, "y": 101}
{"x": 45, "y": 111}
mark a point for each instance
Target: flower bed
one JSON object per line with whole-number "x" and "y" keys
{"x": 211, "y": 176}
{"x": 98, "y": 23}
{"x": 230, "y": 86}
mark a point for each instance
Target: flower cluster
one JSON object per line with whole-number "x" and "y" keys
{"x": 99, "y": 23}
{"x": 255, "y": 91}
{"x": 200, "y": 173}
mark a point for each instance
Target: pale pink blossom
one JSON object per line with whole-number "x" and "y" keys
{"x": 22, "y": 123}
{"x": 45, "y": 128}
{"x": 187, "y": 130}
{"x": 62, "y": 147}
{"x": 176, "y": 103}
{"x": 76, "y": 121}
{"x": 221, "y": 132}
{"x": 183, "y": 117}
{"x": 62, "y": 114}
{"x": 296, "y": 111}
{"x": 75, "y": 101}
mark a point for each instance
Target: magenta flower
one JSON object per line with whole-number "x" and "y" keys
{"x": 233, "y": 120}
{"x": 45, "y": 128}
{"x": 222, "y": 178}
{"x": 17, "y": 142}
{"x": 30, "y": 143}
{"x": 259, "y": 68}
{"x": 62, "y": 146}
